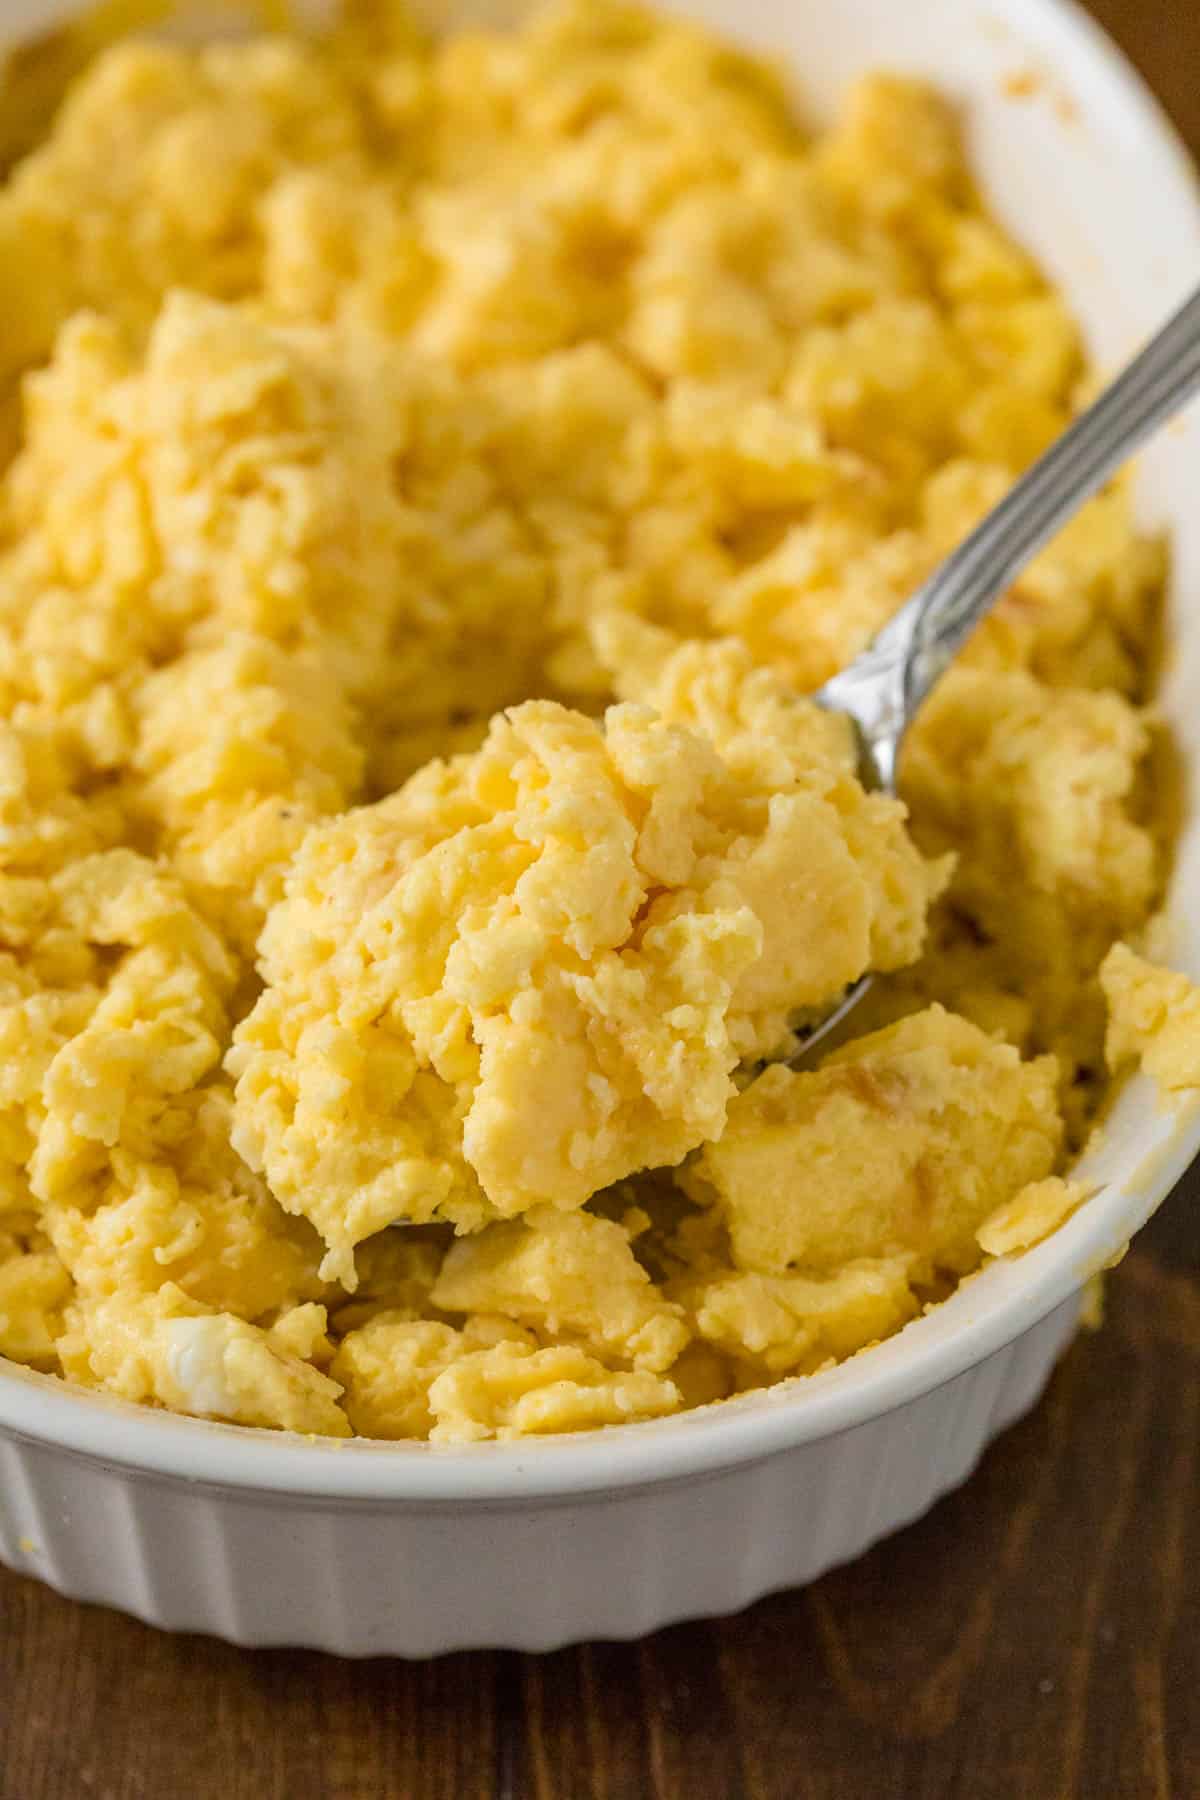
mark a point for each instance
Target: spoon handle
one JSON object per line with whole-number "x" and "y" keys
{"x": 884, "y": 687}
{"x": 1159, "y": 380}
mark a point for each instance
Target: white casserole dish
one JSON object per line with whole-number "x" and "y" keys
{"x": 365, "y": 1548}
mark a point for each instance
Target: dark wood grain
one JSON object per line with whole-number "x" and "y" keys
{"x": 1037, "y": 1637}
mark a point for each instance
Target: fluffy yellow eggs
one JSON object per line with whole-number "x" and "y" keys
{"x": 434, "y": 473}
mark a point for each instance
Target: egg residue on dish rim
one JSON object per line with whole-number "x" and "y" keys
{"x": 435, "y": 475}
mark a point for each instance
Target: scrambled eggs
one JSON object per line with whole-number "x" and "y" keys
{"x": 434, "y": 476}
{"x": 534, "y": 970}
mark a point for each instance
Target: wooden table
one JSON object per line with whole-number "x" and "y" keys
{"x": 1037, "y": 1636}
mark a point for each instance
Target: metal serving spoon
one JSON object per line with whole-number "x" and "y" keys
{"x": 882, "y": 689}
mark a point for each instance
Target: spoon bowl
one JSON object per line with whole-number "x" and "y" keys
{"x": 882, "y": 690}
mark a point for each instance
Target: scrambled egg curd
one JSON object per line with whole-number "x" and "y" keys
{"x": 434, "y": 474}
{"x": 534, "y": 970}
